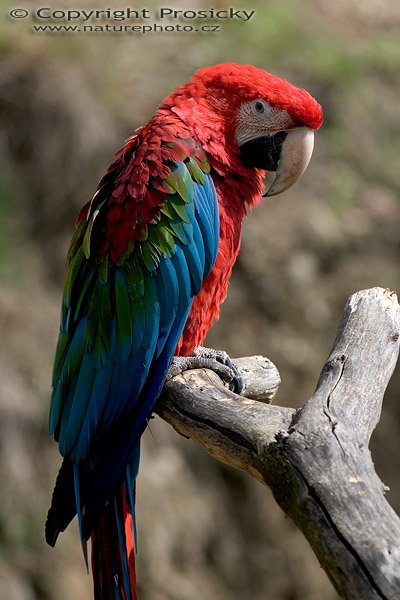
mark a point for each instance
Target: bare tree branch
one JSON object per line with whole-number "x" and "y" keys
{"x": 316, "y": 460}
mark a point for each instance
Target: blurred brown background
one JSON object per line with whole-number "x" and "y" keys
{"x": 67, "y": 101}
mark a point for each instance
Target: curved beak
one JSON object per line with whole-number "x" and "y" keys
{"x": 295, "y": 155}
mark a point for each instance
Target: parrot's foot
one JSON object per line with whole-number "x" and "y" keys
{"x": 207, "y": 358}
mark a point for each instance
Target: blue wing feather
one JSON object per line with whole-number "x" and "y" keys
{"x": 183, "y": 277}
{"x": 94, "y": 413}
{"x": 195, "y": 268}
{"x": 169, "y": 292}
{"x": 207, "y": 218}
{"x": 70, "y": 429}
{"x": 199, "y": 246}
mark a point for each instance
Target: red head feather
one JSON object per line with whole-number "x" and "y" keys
{"x": 209, "y": 101}
{"x": 239, "y": 83}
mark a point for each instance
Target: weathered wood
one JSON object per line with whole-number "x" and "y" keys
{"x": 316, "y": 460}
{"x": 260, "y": 377}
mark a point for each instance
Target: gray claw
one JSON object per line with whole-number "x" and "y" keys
{"x": 216, "y": 360}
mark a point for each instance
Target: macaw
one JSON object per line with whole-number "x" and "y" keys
{"x": 147, "y": 270}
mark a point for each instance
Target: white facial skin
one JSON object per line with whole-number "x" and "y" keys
{"x": 256, "y": 118}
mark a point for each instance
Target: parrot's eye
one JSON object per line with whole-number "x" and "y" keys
{"x": 260, "y": 107}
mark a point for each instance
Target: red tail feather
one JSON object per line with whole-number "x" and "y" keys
{"x": 130, "y": 542}
{"x": 113, "y": 550}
